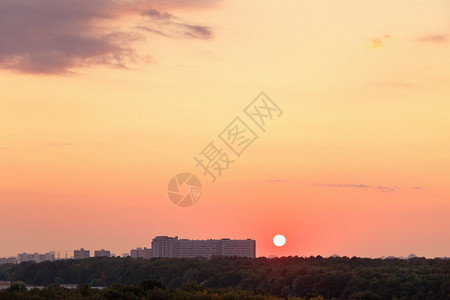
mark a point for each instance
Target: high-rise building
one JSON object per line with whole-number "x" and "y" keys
{"x": 81, "y": 254}
{"x": 143, "y": 253}
{"x": 103, "y": 252}
{"x": 36, "y": 257}
{"x": 164, "y": 246}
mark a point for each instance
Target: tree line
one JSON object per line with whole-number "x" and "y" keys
{"x": 336, "y": 277}
{"x": 148, "y": 289}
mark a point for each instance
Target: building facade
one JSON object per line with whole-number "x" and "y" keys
{"x": 8, "y": 260}
{"x": 36, "y": 257}
{"x": 245, "y": 248}
{"x": 141, "y": 253}
{"x": 164, "y": 246}
{"x": 103, "y": 252}
{"x": 81, "y": 254}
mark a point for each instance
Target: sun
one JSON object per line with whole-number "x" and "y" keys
{"x": 279, "y": 240}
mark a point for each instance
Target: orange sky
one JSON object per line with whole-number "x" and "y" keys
{"x": 358, "y": 164}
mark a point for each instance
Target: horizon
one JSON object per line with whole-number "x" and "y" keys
{"x": 120, "y": 254}
{"x": 124, "y": 119}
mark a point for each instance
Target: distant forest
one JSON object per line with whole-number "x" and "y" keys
{"x": 338, "y": 277}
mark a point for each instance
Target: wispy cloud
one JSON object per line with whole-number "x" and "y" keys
{"x": 54, "y": 37}
{"x": 165, "y": 24}
{"x": 397, "y": 84}
{"x": 434, "y": 38}
{"x": 360, "y": 186}
{"x": 378, "y": 42}
{"x": 61, "y": 144}
{"x": 276, "y": 180}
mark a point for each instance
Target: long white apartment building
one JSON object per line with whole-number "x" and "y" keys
{"x": 165, "y": 246}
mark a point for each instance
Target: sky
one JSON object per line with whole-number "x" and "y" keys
{"x": 103, "y": 102}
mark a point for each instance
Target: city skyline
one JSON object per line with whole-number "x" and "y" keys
{"x": 161, "y": 246}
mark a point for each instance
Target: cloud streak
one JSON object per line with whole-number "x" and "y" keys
{"x": 54, "y": 37}
{"x": 360, "y": 186}
{"x": 436, "y": 38}
{"x": 61, "y": 144}
{"x": 396, "y": 84}
{"x": 276, "y": 180}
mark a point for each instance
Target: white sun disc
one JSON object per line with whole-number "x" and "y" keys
{"x": 279, "y": 240}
